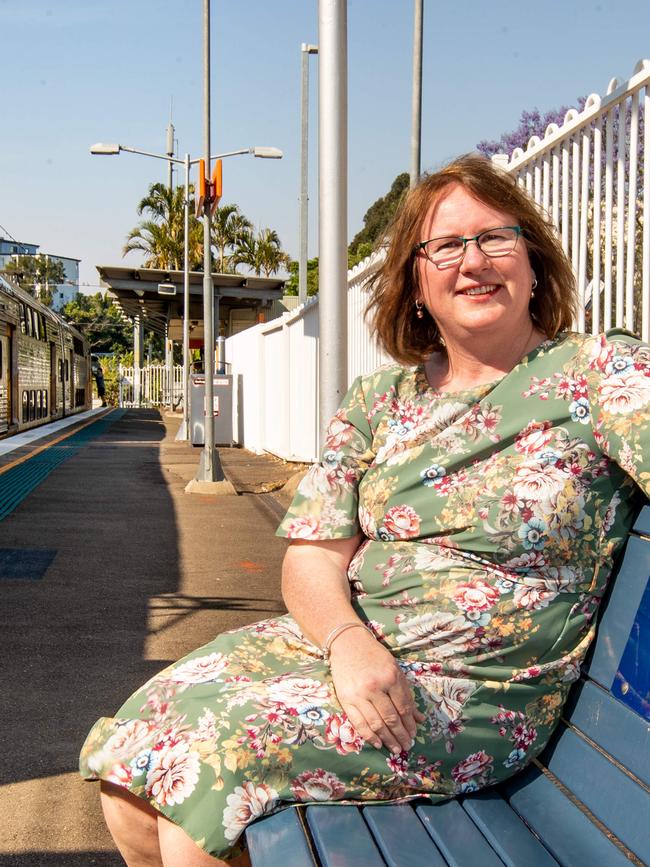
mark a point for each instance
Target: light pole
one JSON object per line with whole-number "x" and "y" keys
{"x": 305, "y": 51}
{"x": 261, "y": 152}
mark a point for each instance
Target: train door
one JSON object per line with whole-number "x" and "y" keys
{"x": 5, "y": 383}
{"x": 70, "y": 378}
{"x": 54, "y": 368}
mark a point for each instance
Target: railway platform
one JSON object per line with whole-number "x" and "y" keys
{"x": 109, "y": 571}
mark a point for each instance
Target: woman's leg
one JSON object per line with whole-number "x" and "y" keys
{"x": 133, "y": 825}
{"x": 177, "y": 848}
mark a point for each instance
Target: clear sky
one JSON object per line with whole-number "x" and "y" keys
{"x": 75, "y": 72}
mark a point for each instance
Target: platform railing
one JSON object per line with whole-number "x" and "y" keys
{"x": 152, "y": 385}
{"x": 591, "y": 176}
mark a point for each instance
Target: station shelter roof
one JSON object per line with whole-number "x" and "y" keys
{"x": 136, "y": 292}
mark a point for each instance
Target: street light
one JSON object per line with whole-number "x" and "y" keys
{"x": 259, "y": 151}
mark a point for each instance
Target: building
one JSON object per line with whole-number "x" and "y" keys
{"x": 62, "y": 293}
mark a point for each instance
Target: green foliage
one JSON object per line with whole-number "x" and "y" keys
{"x": 34, "y": 273}
{"x": 161, "y": 236}
{"x": 262, "y": 253}
{"x": 378, "y": 217}
{"x": 291, "y": 286}
{"x": 101, "y": 323}
{"x": 230, "y": 228}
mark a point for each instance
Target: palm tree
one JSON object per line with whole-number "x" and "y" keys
{"x": 161, "y": 237}
{"x": 230, "y": 228}
{"x": 262, "y": 254}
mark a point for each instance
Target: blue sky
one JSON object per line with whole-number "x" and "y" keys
{"x": 79, "y": 71}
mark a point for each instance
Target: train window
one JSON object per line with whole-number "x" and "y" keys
{"x": 32, "y": 405}
{"x": 35, "y": 325}
{"x": 45, "y": 402}
{"x": 78, "y": 346}
{"x": 67, "y": 370}
{"x": 24, "y": 319}
{"x": 60, "y": 370}
{"x": 25, "y": 406}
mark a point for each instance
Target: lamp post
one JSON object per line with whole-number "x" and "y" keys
{"x": 305, "y": 51}
{"x": 262, "y": 152}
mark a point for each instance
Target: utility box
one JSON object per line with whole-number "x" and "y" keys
{"x": 221, "y": 411}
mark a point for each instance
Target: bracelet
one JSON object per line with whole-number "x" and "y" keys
{"x": 338, "y": 630}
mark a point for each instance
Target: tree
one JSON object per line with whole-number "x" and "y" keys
{"x": 262, "y": 253}
{"x": 101, "y": 323}
{"x": 380, "y": 214}
{"x": 161, "y": 237}
{"x": 230, "y": 228}
{"x": 291, "y": 286}
{"x": 34, "y": 274}
{"x": 530, "y": 123}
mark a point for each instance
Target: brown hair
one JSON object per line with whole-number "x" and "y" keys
{"x": 395, "y": 285}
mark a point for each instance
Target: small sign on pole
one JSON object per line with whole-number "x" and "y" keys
{"x": 216, "y": 186}
{"x": 202, "y": 189}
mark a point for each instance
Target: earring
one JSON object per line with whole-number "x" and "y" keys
{"x": 534, "y": 286}
{"x": 419, "y": 312}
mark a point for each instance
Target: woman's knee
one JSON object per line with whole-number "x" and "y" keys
{"x": 133, "y": 825}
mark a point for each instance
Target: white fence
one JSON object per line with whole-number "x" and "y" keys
{"x": 592, "y": 177}
{"x": 589, "y": 175}
{"x": 153, "y": 385}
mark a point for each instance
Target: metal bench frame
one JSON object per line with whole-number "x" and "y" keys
{"x": 584, "y": 801}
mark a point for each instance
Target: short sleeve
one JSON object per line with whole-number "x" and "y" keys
{"x": 618, "y": 375}
{"x": 326, "y": 502}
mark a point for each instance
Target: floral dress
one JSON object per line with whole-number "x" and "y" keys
{"x": 491, "y": 519}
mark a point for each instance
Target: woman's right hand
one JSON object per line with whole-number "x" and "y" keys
{"x": 373, "y": 691}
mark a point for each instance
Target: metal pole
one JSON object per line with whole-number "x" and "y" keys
{"x": 186, "y": 303}
{"x": 170, "y": 154}
{"x": 209, "y": 469}
{"x": 332, "y": 138}
{"x": 416, "y": 106}
{"x": 305, "y": 51}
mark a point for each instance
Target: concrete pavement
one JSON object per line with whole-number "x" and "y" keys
{"x": 140, "y": 572}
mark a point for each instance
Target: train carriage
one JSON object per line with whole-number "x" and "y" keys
{"x": 44, "y": 363}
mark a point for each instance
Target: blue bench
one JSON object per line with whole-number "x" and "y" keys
{"x": 585, "y": 801}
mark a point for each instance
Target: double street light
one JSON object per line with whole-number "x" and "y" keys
{"x": 261, "y": 152}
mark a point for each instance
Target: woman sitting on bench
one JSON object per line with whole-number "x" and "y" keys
{"x": 448, "y": 554}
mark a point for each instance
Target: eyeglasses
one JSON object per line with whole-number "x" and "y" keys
{"x": 444, "y": 252}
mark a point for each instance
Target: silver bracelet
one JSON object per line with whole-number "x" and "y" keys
{"x": 338, "y": 630}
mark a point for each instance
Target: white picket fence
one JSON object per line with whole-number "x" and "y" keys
{"x": 152, "y": 385}
{"x": 591, "y": 176}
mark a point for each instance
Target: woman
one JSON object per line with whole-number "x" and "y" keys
{"x": 448, "y": 554}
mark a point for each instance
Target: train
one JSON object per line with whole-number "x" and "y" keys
{"x": 45, "y": 363}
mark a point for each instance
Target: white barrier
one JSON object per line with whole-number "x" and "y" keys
{"x": 150, "y": 386}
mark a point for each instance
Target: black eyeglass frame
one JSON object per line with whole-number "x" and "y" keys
{"x": 423, "y": 244}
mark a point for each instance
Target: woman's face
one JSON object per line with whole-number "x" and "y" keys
{"x": 479, "y": 295}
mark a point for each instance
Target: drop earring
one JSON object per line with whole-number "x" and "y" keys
{"x": 419, "y": 312}
{"x": 534, "y": 286}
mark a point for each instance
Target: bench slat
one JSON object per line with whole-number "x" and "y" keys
{"x": 642, "y": 523}
{"x": 613, "y": 726}
{"x": 570, "y": 836}
{"x": 618, "y": 618}
{"x": 457, "y": 837}
{"x": 279, "y": 840}
{"x": 341, "y": 837}
{"x": 604, "y": 789}
{"x": 507, "y": 833}
{"x": 401, "y": 836}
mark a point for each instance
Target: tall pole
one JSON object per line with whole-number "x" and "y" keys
{"x": 416, "y": 105}
{"x": 305, "y": 51}
{"x": 209, "y": 471}
{"x": 186, "y": 302}
{"x": 170, "y": 154}
{"x": 333, "y": 222}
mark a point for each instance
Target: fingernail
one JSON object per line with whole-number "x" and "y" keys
{"x": 396, "y": 751}
{"x": 412, "y": 744}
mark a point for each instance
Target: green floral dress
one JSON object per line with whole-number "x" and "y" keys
{"x": 491, "y": 518}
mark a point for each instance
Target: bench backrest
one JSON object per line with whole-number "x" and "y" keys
{"x": 596, "y": 770}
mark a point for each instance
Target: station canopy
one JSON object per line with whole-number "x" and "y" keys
{"x": 148, "y": 293}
